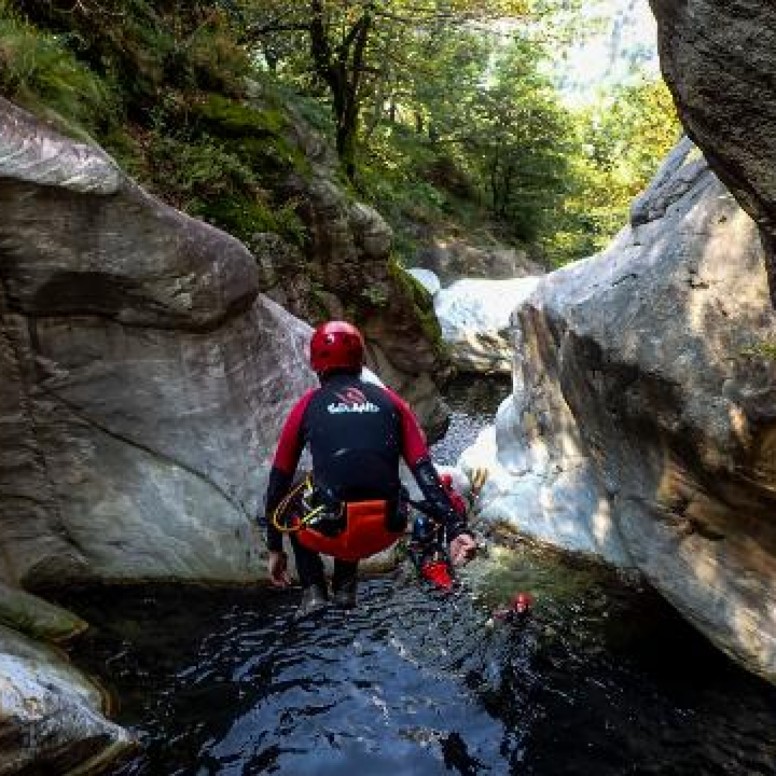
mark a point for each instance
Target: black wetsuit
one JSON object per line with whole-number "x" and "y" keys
{"x": 356, "y": 432}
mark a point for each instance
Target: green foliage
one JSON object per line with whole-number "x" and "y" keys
{"x": 480, "y": 137}
{"x": 258, "y": 136}
{"x": 146, "y": 47}
{"x": 520, "y": 137}
{"x": 456, "y": 127}
{"x": 632, "y": 128}
{"x": 355, "y": 51}
{"x": 620, "y": 142}
{"x": 39, "y": 72}
{"x": 376, "y": 296}
{"x": 217, "y": 169}
{"x": 161, "y": 86}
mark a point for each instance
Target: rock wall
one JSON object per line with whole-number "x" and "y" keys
{"x": 717, "y": 58}
{"x": 644, "y": 415}
{"x": 144, "y": 377}
{"x": 474, "y": 316}
{"x": 50, "y": 715}
{"x": 346, "y": 270}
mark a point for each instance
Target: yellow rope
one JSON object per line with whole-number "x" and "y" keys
{"x": 281, "y": 508}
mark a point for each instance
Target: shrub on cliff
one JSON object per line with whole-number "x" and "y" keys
{"x": 161, "y": 86}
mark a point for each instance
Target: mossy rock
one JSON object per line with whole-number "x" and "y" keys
{"x": 230, "y": 118}
{"x": 37, "y": 618}
{"x": 259, "y": 136}
{"x": 423, "y": 305}
{"x": 245, "y": 217}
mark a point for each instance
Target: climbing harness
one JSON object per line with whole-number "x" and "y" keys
{"x": 302, "y": 491}
{"x": 348, "y": 530}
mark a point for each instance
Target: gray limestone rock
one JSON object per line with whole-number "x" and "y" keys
{"x": 717, "y": 58}
{"x": 51, "y": 718}
{"x": 474, "y": 314}
{"x": 144, "y": 377}
{"x": 643, "y": 420}
{"x": 454, "y": 259}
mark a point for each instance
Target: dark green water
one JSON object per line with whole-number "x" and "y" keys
{"x": 602, "y": 679}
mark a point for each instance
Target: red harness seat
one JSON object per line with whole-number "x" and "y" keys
{"x": 365, "y": 533}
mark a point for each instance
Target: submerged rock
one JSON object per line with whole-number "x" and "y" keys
{"x": 643, "y": 419}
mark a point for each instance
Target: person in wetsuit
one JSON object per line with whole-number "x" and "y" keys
{"x": 356, "y": 432}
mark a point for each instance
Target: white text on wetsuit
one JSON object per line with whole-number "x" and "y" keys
{"x": 352, "y": 400}
{"x": 335, "y": 409}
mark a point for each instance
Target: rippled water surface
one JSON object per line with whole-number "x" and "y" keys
{"x": 602, "y": 678}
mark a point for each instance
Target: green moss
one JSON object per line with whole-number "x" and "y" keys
{"x": 258, "y": 135}
{"x": 229, "y": 118}
{"x": 244, "y": 218}
{"x": 762, "y": 349}
{"x": 423, "y": 306}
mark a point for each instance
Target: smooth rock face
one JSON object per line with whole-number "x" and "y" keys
{"x": 428, "y": 279}
{"x": 144, "y": 378}
{"x": 452, "y": 259}
{"x": 643, "y": 421}
{"x": 474, "y": 316}
{"x": 50, "y": 715}
{"x": 717, "y": 58}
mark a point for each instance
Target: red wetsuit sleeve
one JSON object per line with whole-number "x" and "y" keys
{"x": 414, "y": 446}
{"x": 291, "y": 440}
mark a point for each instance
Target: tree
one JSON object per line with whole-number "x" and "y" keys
{"x": 621, "y": 140}
{"x": 520, "y": 135}
{"x": 355, "y": 46}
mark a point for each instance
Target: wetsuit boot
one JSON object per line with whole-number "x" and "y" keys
{"x": 313, "y": 598}
{"x": 309, "y": 566}
{"x": 344, "y": 584}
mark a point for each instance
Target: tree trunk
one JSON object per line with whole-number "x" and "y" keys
{"x": 343, "y": 74}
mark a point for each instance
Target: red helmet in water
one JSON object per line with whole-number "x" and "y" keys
{"x": 336, "y": 345}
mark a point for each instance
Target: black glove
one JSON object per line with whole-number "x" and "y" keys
{"x": 437, "y": 499}
{"x": 278, "y": 488}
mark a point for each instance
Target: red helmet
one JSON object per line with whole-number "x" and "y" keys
{"x": 336, "y": 345}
